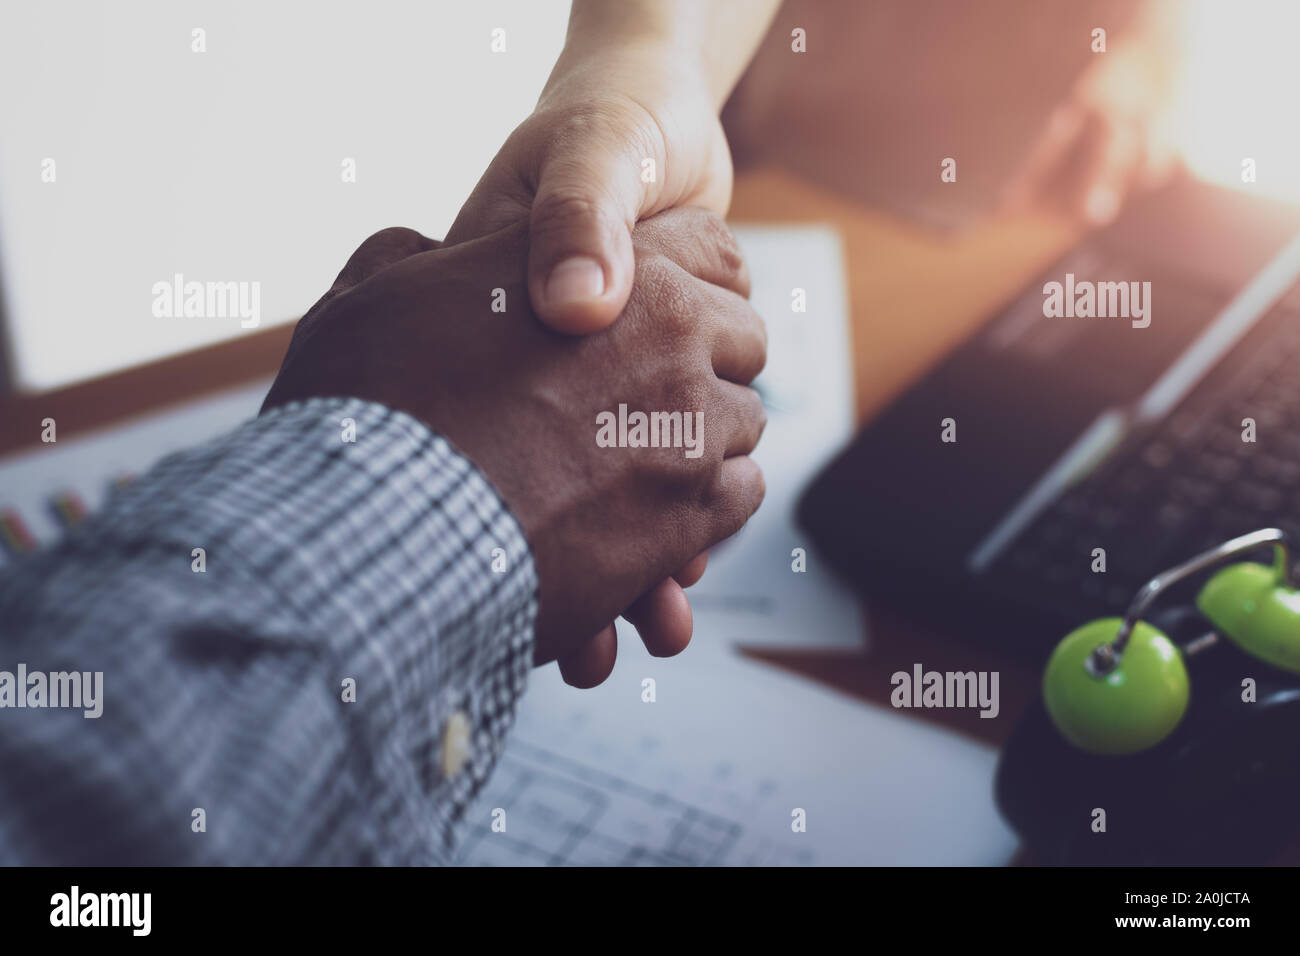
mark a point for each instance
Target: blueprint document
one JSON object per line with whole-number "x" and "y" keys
{"x": 713, "y": 767}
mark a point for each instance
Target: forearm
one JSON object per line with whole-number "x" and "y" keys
{"x": 301, "y": 684}
{"x": 711, "y": 40}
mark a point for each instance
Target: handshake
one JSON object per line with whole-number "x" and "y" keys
{"x": 623, "y": 453}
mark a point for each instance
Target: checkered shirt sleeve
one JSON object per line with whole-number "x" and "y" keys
{"x": 325, "y": 561}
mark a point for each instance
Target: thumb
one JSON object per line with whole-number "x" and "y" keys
{"x": 580, "y": 261}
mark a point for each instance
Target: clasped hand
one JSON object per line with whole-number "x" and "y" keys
{"x": 613, "y": 530}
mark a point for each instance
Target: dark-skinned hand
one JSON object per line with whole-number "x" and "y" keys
{"x": 612, "y": 530}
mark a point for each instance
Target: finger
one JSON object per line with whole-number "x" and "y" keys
{"x": 580, "y": 263}
{"x": 1047, "y": 157}
{"x": 1108, "y": 173}
{"x": 743, "y": 416}
{"x": 1160, "y": 159}
{"x": 738, "y": 494}
{"x": 739, "y": 335}
{"x": 664, "y": 623}
{"x": 700, "y": 242}
{"x": 665, "y": 619}
{"x": 590, "y": 664}
{"x": 662, "y": 616}
{"x": 693, "y": 571}
{"x": 379, "y": 252}
{"x": 1160, "y": 155}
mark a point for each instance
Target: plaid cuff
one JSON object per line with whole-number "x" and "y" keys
{"x": 394, "y": 549}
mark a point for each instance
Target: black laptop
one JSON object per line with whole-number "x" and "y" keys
{"x": 1077, "y": 432}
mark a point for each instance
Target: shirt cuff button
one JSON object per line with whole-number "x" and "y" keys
{"x": 456, "y": 745}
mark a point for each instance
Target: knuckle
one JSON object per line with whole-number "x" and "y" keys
{"x": 746, "y": 421}
{"x": 658, "y": 234}
{"x": 380, "y": 250}
{"x": 758, "y": 491}
{"x": 759, "y": 355}
{"x": 730, "y": 510}
{"x": 577, "y": 126}
{"x": 386, "y": 236}
{"x": 726, "y": 248}
{"x": 694, "y": 399}
{"x": 684, "y": 482}
{"x": 561, "y": 209}
{"x": 757, "y": 413}
{"x": 747, "y": 495}
{"x": 613, "y": 124}
{"x": 403, "y": 234}
{"x": 664, "y": 291}
{"x": 695, "y": 393}
{"x": 397, "y": 242}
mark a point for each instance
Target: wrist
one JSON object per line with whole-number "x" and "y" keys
{"x": 648, "y": 70}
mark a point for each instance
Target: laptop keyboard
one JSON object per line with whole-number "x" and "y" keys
{"x": 1180, "y": 488}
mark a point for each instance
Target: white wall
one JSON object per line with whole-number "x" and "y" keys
{"x": 226, "y": 165}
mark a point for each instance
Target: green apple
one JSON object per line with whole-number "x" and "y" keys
{"x": 1133, "y": 707}
{"x": 1247, "y": 604}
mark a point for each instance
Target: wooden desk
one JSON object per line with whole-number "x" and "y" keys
{"x": 914, "y": 295}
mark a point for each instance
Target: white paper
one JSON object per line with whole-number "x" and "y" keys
{"x": 712, "y": 772}
{"x": 808, "y": 389}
